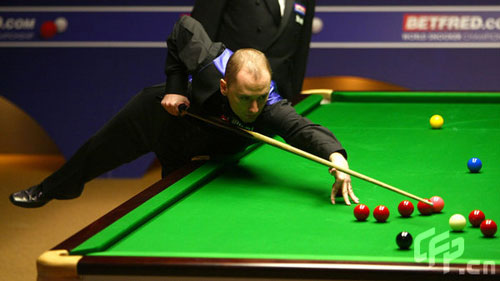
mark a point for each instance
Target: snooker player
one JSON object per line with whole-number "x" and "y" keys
{"x": 210, "y": 80}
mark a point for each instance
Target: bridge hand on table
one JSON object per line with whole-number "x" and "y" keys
{"x": 342, "y": 180}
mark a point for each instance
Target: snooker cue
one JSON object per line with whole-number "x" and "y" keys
{"x": 299, "y": 152}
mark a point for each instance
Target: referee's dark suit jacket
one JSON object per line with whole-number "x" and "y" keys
{"x": 258, "y": 24}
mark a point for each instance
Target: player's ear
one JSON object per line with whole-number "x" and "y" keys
{"x": 223, "y": 87}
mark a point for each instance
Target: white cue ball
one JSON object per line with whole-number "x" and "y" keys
{"x": 457, "y": 222}
{"x": 317, "y": 25}
{"x": 61, "y": 24}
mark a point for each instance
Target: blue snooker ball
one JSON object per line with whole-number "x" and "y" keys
{"x": 474, "y": 165}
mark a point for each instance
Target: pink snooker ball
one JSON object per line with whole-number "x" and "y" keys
{"x": 438, "y": 204}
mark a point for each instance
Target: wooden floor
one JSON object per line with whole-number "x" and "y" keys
{"x": 26, "y": 233}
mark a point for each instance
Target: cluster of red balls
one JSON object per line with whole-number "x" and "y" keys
{"x": 362, "y": 212}
{"x": 405, "y": 208}
{"x": 478, "y": 219}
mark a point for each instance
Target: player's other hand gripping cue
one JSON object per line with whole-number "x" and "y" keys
{"x": 171, "y": 103}
{"x": 342, "y": 180}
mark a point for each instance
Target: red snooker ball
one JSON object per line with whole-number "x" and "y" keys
{"x": 488, "y": 228}
{"x": 476, "y": 217}
{"x": 405, "y": 208}
{"x": 361, "y": 212}
{"x": 424, "y": 209}
{"x": 438, "y": 204}
{"x": 381, "y": 213}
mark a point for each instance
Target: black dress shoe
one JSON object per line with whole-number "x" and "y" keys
{"x": 32, "y": 197}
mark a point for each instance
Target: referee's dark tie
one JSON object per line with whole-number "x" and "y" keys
{"x": 274, "y": 7}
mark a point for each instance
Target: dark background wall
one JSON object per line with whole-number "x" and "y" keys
{"x": 72, "y": 83}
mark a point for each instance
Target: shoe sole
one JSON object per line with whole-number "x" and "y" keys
{"x": 27, "y": 204}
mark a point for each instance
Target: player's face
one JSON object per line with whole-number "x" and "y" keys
{"x": 247, "y": 96}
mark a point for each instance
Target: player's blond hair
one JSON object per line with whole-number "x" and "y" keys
{"x": 252, "y": 60}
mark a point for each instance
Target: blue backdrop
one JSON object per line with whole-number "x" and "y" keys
{"x": 73, "y": 83}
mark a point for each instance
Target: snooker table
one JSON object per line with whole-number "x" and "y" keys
{"x": 266, "y": 213}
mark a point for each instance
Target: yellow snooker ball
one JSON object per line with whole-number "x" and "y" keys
{"x": 436, "y": 121}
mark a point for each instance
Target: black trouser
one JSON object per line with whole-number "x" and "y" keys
{"x": 143, "y": 125}
{"x": 137, "y": 129}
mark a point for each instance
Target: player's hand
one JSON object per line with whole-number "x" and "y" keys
{"x": 171, "y": 103}
{"x": 342, "y": 180}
